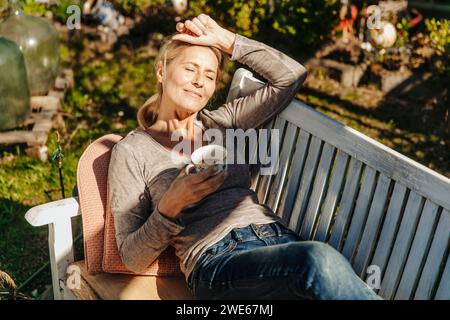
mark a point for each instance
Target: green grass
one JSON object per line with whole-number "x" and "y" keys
{"x": 25, "y": 183}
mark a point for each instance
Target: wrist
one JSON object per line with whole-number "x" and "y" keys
{"x": 227, "y": 43}
{"x": 170, "y": 212}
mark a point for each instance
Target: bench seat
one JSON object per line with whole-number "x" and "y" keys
{"x": 108, "y": 286}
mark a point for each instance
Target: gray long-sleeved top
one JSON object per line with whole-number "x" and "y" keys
{"x": 141, "y": 171}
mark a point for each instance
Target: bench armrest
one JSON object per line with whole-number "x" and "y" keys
{"x": 57, "y": 215}
{"x": 52, "y": 212}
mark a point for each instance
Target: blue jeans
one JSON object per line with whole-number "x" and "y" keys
{"x": 270, "y": 261}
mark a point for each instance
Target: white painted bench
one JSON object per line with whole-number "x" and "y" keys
{"x": 334, "y": 184}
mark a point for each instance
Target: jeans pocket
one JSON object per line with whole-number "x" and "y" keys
{"x": 222, "y": 248}
{"x": 215, "y": 251}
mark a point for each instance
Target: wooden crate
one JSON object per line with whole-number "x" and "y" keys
{"x": 45, "y": 114}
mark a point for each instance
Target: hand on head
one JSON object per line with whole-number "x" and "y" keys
{"x": 204, "y": 31}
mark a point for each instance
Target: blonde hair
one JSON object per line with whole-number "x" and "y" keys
{"x": 148, "y": 112}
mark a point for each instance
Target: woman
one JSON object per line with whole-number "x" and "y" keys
{"x": 229, "y": 245}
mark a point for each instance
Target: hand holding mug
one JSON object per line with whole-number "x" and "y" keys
{"x": 204, "y": 175}
{"x": 204, "y": 157}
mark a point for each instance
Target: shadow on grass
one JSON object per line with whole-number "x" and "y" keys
{"x": 23, "y": 248}
{"x": 407, "y": 106}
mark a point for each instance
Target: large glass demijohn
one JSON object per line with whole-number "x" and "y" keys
{"x": 14, "y": 92}
{"x": 38, "y": 41}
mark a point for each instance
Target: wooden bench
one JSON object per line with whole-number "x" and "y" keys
{"x": 386, "y": 213}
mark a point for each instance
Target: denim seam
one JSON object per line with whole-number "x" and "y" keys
{"x": 212, "y": 255}
{"x": 230, "y": 247}
{"x": 247, "y": 278}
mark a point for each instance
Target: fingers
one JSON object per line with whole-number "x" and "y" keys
{"x": 203, "y": 19}
{"x": 197, "y": 186}
{"x": 195, "y": 192}
{"x": 210, "y": 185}
{"x": 197, "y": 26}
{"x": 186, "y": 38}
{"x": 200, "y": 25}
{"x": 216, "y": 180}
{"x": 204, "y": 175}
{"x": 193, "y": 27}
{"x": 180, "y": 27}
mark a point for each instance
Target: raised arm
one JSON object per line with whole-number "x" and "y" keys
{"x": 142, "y": 233}
{"x": 283, "y": 75}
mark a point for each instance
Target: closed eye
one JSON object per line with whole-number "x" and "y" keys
{"x": 192, "y": 70}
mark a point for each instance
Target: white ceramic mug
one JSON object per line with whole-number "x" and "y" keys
{"x": 207, "y": 156}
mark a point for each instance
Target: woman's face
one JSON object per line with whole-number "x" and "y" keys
{"x": 190, "y": 80}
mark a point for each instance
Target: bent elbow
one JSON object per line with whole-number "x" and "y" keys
{"x": 295, "y": 78}
{"x": 301, "y": 74}
{"x": 132, "y": 264}
{"x": 130, "y": 260}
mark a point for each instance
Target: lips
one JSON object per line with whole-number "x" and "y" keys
{"x": 193, "y": 93}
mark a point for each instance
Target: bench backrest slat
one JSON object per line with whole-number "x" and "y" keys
{"x": 443, "y": 292}
{"x": 435, "y": 261}
{"x": 287, "y": 147}
{"x": 306, "y": 184}
{"x": 419, "y": 248}
{"x": 402, "y": 244}
{"x": 295, "y": 171}
{"x": 266, "y": 179}
{"x": 337, "y": 176}
{"x": 360, "y": 212}
{"x": 390, "y": 227}
{"x": 318, "y": 190}
{"x": 263, "y": 135}
{"x": 372, "y": 225}
{"x": 346, "y": 204}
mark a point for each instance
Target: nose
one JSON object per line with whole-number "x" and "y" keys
{"x": 198, "y": 80}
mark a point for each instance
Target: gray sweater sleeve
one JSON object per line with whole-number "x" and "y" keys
{"x": 283, "y": 74}
{"x": 142, "y": 233}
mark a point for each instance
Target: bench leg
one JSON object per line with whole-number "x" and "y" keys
{"x": 61, "y": 256}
